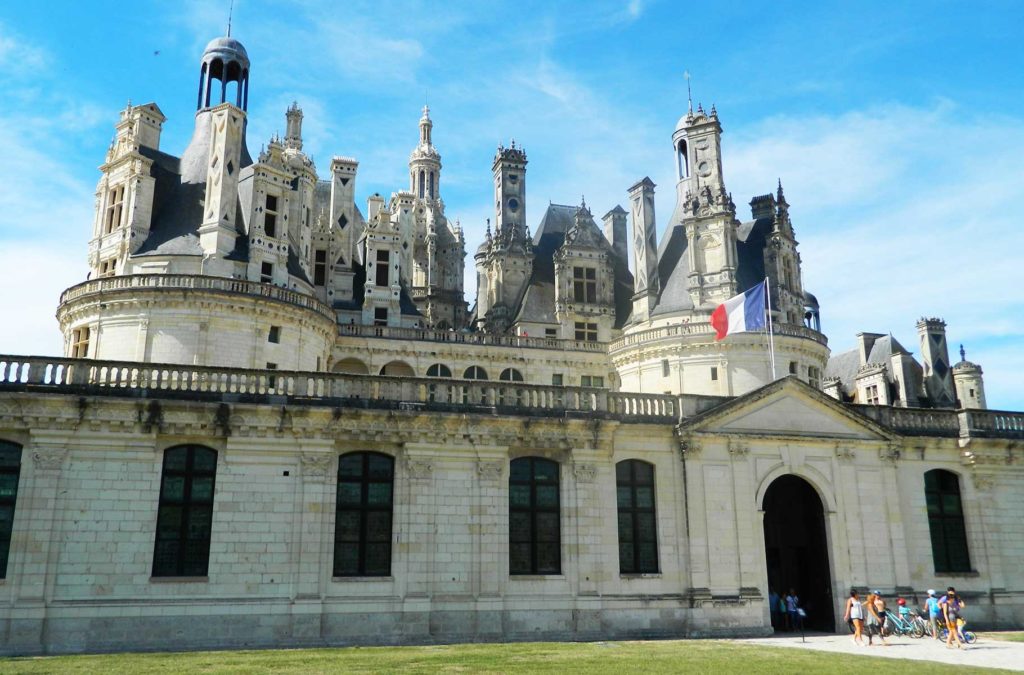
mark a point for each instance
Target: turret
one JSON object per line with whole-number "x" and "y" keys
{"x": 970, "y": 385}
{"x": 224, "y": 62}
{"x": 293, "y": 133}
{"x": 615, "y": 231}
{"x": 425, "y": 163}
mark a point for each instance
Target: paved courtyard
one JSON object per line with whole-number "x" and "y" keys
{"x": 986, "y": 652}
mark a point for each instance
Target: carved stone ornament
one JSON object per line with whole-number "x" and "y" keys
{"x": 490, "y": 471}
{"x": 584, "y": 473}
{"x": 419, "y": 469}
{"x": 738, "y": 448}
{"x": 983, "y": 482}
{"x": 315, "y": 467}
{"x": 50, "y": 459}
{"x": 689, "y": 446}
{"x": 844, "y": 452}
{"x": 889, "y": 453}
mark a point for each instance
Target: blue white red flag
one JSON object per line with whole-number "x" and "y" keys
{"x": 740, "y": 313}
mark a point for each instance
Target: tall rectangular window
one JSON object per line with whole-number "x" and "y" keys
{"x": 584, "y": 284}
{"x": 267, "y": 273}
{"x": 534, "y": 529}
{"x": 270, "y": 216}
{"x": 871, "y": 394}
{"x": 80, "y": 343}
{"x": 185, "y": 514}
{"x": 115, "y": 209}
{"x": 946, "y": 522}
{"x": 380, "y": 316}
{"x": 10, "y": 472}
{"x": 319, "y": 267}
{"x": 362, "y": 530}
{"x": 586, "y": 331}
{"x": 638, "y": 535}
{"x": 381, "y": 269}
{"x": 274, "y": 335}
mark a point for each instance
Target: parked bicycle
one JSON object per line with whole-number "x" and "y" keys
{"x": 903, "y": 626}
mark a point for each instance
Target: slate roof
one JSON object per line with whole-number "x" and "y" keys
{"x": 673, "y": 270}
{"x": 846, "y": 364}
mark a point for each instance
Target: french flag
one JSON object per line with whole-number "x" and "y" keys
{"x": 741, "y": 313}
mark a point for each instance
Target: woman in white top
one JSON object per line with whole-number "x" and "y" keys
{"x": 855, "y": 615}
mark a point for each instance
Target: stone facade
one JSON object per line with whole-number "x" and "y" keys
{"x": 248, "y": 311}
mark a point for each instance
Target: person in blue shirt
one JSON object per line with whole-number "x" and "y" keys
{"x": 931, "y": 606}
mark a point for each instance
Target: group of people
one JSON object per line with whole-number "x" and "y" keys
{"x": 785, "y": 610}
{"x": 869, "y": 617}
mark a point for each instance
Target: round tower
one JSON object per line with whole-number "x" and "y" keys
{"x": 224, "y": 62}
{"x": 969, "y": 383}
{"x": 425, "y": 163}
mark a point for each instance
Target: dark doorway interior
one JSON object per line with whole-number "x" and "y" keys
{"x": 796, "y": 549}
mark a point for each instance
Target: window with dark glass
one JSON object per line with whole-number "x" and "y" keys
{"x": 510, "y": 375}
{"x": 534, "y": 532}
{"x": 270, "y": 216}
{"x": 381, "y": 269}
{"x": 380, "y": 316}
{"x": 638, "y": 536}
{"x": 946, "y": 521}
{"x": 362, "y": 530}
{"x": 584, "y": 284}
{"x": 475, "y": 373}
{"x": 185, "y": 513}
{"x": 586, "y": 331}
{"x": 10, "y": 471}
{"x": 267, "y": 272}
{"x": 319, "y": 267}
{"x": 439, "y": 370}
{"x": 115, "y": 207}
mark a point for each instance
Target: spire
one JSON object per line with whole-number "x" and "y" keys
{"x": 231, "y": 10}
{"x": 426, "y": 125}
{"x": 689, "y": 96}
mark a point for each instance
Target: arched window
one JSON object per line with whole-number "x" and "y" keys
{"x": 510, "y": 375}
{"x": 431, "y": 184}
{"x": 474, "y": 373}
{"x": 439, "y": 370}
{"x": 638, "y": 535}
{"x": 185, "y": 513}
{"x": 946, "y": 521}
{"x": 421, "y": 184}
{"x": 362, "y": 530}
{"x": 684, "y": 159}
{"x": 10, "y": 472}
{"x": 534, "y": 529}
{"x": 397, "y": 369}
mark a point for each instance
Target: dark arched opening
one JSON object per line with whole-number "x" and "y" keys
{"x": 796, "y": 548}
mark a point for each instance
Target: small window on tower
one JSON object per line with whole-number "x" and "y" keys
{"x": 792, "y": 367}
{"x": 319, "y": 267}
{"x": 108, "y": 267}
{"x": 275, "y": 335}
{"x": 584, "y": 284}
{"x": 380, "y": 316}
{"x": 267, "y": 273}
{"x": 557, "y": 380}
{"x": 551, "y": 332}
{"x": 80, "y": 343}
{"x": 586, "y": 332}
{"x": 684, "y": 160}
{"x": 665, "y": 368}
{"x": 270, "y": 216}
{"x": 381, "y": 272}
{"x": 714, "y": 373}
{"x": 115, "y": 207}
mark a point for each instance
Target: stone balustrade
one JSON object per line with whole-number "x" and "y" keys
{"x": 459, "y": 337}
{"x": 996, "y": 423}
{"x": 914, "y": 421}
{"x": 88, "y": 376}
{"x": 703, "y": 328}
{"x": 137, "y": 282}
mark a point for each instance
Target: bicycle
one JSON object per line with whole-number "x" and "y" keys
{"x": 897, "y": 625}
{"x": 966, "y": 636}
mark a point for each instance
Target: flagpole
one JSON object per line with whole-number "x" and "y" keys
{"x": 771, "y": 334}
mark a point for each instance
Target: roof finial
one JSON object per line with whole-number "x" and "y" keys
{"x": 689, "y": 97}
{"x": 963, "y": 354}
{"x": 231, "y": 10}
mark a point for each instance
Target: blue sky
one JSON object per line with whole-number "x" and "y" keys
{"x": 896, "y": 129}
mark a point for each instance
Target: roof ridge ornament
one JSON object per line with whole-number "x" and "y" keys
{"x": 231, "y": 10}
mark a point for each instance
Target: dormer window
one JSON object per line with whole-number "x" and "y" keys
{"x": 381, "y": 271}
{"x": 115, "y": 207}
{"x": 584, "y": 284}
{"x": 270, "y": 216}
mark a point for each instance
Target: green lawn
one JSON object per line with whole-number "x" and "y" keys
{"x": 534, "y": 657}
{"x": 1012, "y": 636}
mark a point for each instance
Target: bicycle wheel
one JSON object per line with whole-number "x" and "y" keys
{"x": 917, "y": 629}
{"x": 969, "y": 637}
{"x": 944, "y": 634}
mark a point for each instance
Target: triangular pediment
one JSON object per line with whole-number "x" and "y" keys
{"x": 789, "y": 408}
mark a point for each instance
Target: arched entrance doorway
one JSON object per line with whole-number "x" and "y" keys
{"x": 796, "y": 548}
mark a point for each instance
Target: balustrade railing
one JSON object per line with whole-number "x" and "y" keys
{"x": 145, "y": 379}
{"x": 914, "y": 421}
{"x": 704, "y": 328}
{"x": 458, "y": 337}
{"x": 997, "y": 423}
{"x": 195, "y": 282}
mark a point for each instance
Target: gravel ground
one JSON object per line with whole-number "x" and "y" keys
{"x": 985, "y": 653}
